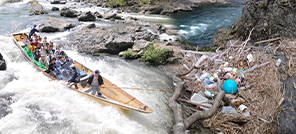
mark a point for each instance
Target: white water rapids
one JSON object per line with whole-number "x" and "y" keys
{"x": 43, "y": 106}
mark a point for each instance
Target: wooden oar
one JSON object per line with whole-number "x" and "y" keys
{"x": 144, "y": 89}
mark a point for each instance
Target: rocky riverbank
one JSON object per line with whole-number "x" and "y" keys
{"x": 151, "y": 6}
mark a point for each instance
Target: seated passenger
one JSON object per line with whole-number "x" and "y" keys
{"x": 44, "y": 40}
{"x": 36, "y": 55}
{"x": 53, "y": 70}
{"x": 50, "y": 50}
{"x": 63, "y": 53}
{"x": 42, "y": 59}
{"x": 58, "y": 62}
{"x": 56, "y": 54}
{"x": 69, "y": 61}
{"x": 58, "y": 48}
{"x": 49, "y": 57}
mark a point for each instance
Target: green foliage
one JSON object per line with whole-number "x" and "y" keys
{"x": 147, "y": 1}
{"x": 117, "y": 2}
{"x": 128, "y": 54}
{"x": 111, "y": 3}
{"x": 156, "y": 56}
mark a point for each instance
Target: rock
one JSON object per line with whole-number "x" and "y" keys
{"x": 55, "y": 25}
{"x": 287, "y": 119}
{"x": 36, "y": 9}
{"x": 54, "y": 9}
{"x": 67, "y": 12}
{"x": 222, "y": 37}
{"x": 172, "y": 32}
{"x": 156, "y": 9}
{"x": 269, "y": 18}
{"x": 58, "y": 2}
{"x": 2, "y": 63}
{"x": 140, "y": 45}
{"x": 86, "y": 16}
{"x": 98, "y": 15}
{"x": 112, "y": 16}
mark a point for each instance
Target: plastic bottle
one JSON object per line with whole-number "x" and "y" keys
{"x": 203, "y": 76}
{"x": 227, "y": 69}
{"x": 209, "y": 94}
{"x": 213, "y": 85}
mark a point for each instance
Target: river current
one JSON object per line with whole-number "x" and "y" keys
{"x": 31, "y": 103}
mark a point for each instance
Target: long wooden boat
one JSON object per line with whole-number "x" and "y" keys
{"x": 113, "y": 94}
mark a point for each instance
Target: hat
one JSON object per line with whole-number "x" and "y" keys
{"x": 97, "y": 72}
{"x": 42, "y": 54}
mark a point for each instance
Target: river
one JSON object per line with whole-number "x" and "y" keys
{"x": 31, "y": 103}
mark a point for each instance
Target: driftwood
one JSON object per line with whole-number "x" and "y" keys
{"x": 269, "y": 40}
{"x": 201, "y": 59}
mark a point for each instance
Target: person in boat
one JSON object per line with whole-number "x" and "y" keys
{"x": 95, "y": 81}
{"x": 58, "y": 62}
{"x": 32, "y": 31}
{"x": 75, "y": 78}
{"x": 31, "y": 46}
{"x": 49, "y": 57}
{"x": 69, "y": 61}
{"x": 53, "y": 70}
{"x": 42, "y": 59}
{"x": 63, "y": 54}
{"x": 56, "y": 54}
{"x": 36, "y": 55}
{"x": 58, "y": 49}
{"x": 50, "y": 50}
{"x": 44, "y": 42}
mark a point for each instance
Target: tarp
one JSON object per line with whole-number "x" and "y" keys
{"x": 30, "y": 53}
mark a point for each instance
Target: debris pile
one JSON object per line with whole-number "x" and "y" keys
{"x": 250, "y": 77}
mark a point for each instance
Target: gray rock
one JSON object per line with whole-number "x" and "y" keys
{"x": 58, "y": 2}
{"x": 2, "y": 63}
{"x": 67, "y": 12}
{"x": 36, "y": 9}
{"x": 287, "y": 119}
{"x": 86, "y": 16}
{"x": 54, "y": 9}
{"x": 98, "y": 15}
{"x": 55, "y": 25}
{"x": 140, "y": 45}
{"x": 269, "y": 18}
{"x": 112, "y": 16}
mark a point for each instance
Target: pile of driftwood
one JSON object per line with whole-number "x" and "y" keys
{"x": 260, "y": 91}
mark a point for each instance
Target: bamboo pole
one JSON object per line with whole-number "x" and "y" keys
{"x": 144, "y": 89}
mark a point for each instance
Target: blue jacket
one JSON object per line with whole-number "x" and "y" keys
{"x": 32, "y": 31}
{"x": 75, "y": 77}
{"x": 91, "y": 77}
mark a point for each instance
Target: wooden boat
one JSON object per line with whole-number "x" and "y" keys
{"x": 113, "y": 94}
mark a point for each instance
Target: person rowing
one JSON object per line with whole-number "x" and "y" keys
{"x": 75, "y": 78}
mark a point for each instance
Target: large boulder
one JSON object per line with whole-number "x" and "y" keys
{"x": 36, "y": 9}
{"x": 67, "y": 12}
{"x": 95, "y": 40}
{"x": 86, "y": 16}
{"x": 2, "y": 63}
{"x": 55, "y": 25}
{"x": 268, "y": 18}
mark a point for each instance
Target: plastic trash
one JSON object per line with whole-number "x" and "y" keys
{"x": 250, "y": 58}
{"x": 230, "y": 86}
{"x": 214, "y": 57}
{"x": 209, "y": 94}
{"x": 210, "y": 86}
{"x": 242, "y": 108}
{"x": 228, "y": 109}
{"x": 278, "y": 62}
{"x": 218, "y": 61}
{"x": 204, "y": 75}
{"x": 230, "y": 57}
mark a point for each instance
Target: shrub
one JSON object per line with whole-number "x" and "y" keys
{"x": 128, "y": 54}
{"x": 111, "y": 3}
{"x": 156, "y": 56}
